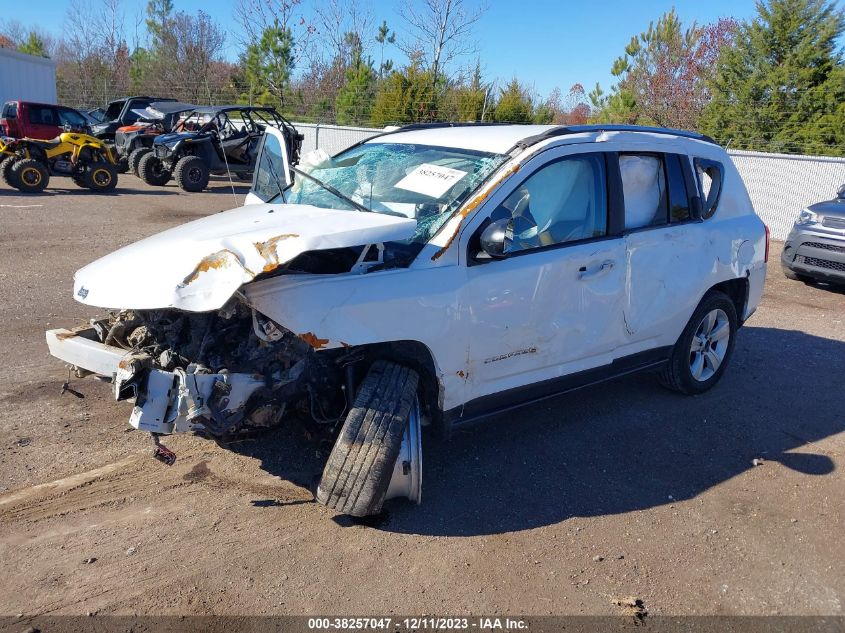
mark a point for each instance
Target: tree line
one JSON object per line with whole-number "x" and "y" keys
{"x": 775, "y": 82}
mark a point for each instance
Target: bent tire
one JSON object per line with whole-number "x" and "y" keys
{"x": 6, "y": 170}
{"x": 135, "y": 158}
{"x": 703, "y": 351}
{"x": 358, "y": 472}
{"x": 29, "y": 175}
{"x": 191, "y": 173}
{"x": 100, "y": 177}
{"x": 152, "y": 171}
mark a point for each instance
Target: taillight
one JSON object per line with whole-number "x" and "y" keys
{"x": 766, "y": 258}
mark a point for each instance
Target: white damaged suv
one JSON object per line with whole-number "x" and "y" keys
{"x": 431, "y": 275}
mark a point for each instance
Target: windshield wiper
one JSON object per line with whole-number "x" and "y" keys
{"x": 331, "y": 189}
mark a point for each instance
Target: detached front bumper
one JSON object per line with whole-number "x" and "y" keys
{"x": 165, "y": 402}
{"x": 815, "y": 255}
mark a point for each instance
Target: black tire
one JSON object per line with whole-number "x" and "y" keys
{"x": 6, "y": 170}
{"x": 122, "y": 165}
{"x": 30, "y": 175}
{"x": 359, "y": 468}
{"x": 135, "y": 158}
{"x": 100, "y": 177}
{"x": 191, "y": 173}
{"x": 152, "y": 171}
{"x": 678, "y": 373}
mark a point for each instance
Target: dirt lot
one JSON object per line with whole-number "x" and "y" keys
{"x": 619, "y": 490}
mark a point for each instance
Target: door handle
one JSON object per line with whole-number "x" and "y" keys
{"x": 605, "y": 267}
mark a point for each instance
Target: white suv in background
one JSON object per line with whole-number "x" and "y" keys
{"x": 435, "y": 274}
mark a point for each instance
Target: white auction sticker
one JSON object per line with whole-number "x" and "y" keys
{"x": 430, "y": 180}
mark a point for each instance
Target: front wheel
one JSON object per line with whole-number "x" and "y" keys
{"x": 191, "y": 173}
{"x": 30, "y": 175}
{"x": 152, "y": 170}
{"x": 704, "y": 348}
{"x": 135, "y": 158}
{"x": 377, "y": 454}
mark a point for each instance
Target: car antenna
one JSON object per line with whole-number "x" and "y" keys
{"x": 228, "y": 171}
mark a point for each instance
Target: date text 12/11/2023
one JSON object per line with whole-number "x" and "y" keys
{"x": 417, "y": 623}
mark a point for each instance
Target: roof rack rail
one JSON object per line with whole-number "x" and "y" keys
{"x": 563, "y": 130}
{"x": 441, "y": 124}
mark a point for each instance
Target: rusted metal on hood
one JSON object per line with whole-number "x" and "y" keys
{"x": 220, "y": 259}
{"x": 314, "y": 341}
{"x": 267, "y": 250}
{"x": 472, "y": 205}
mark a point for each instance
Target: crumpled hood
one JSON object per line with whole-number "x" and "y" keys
{"x": 198, "y": 266}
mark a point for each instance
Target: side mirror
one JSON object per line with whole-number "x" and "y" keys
{"x": 492, "y": 240}
{"x": 841, "y": 192}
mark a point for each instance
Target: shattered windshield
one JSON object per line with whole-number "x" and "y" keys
{"x": 421, "y": 182}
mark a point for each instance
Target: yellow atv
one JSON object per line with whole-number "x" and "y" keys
{"x": 7, "y": 159}
{"x": 86, "y": 159}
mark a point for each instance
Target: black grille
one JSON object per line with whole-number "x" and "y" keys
{"x": 825, "y": 247}
{"x": 823, "y": 263}
{"x": 834, "y": 223}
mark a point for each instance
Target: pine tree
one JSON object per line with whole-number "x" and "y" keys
{"x": 33, "y": 45}
{"x": 782, "y": 86}
{"x": 354, "y": 101}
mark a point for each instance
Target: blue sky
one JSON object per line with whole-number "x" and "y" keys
{"x": 545, "y": 43}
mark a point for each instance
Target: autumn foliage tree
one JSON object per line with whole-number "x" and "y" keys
{"x": 664, "y": 73}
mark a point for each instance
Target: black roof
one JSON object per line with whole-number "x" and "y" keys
{"x": 227, "y": 108}
{"x": 122, "y": 99}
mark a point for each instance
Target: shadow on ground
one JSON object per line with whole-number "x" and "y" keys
{"x": 619, "y": 447}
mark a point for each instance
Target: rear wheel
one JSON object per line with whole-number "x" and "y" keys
{"x": 191, "y": 173}
{"x": 135, "y": 158}
{"x": 30, "y": 175}
{"x": 380, "y": 431}
{"x": 100, "y": 177}
{"x": 6, "y": 170}
{"x": 152, "y": 170}
{"x": 704, "y": 348}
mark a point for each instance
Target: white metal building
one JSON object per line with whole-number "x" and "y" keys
{"x": 26, "y": 77}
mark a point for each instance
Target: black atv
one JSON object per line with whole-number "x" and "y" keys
{"x": 214, "y": 140}
{"x": 132, "y": 142}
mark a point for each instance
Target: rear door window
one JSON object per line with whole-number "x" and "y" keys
{"x": 10, "y": 110}
{"x": 644, "y": 189}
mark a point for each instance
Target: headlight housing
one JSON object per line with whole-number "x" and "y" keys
{"x": 806, "y": 217}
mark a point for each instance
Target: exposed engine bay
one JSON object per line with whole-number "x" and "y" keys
{"x": 224, "y": 372}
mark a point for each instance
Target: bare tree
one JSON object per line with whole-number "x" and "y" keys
{"x": 199, "y": 45}
{"x": 440, "y": 31}
{"x": 256, "y": 16}
{"x": 336, "y": 19}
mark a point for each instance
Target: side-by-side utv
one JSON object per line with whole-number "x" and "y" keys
{"x": 132, "y": 142}
{"x": 220, "y": 140}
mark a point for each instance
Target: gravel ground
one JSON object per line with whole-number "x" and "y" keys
{"x": 566, "y": 507}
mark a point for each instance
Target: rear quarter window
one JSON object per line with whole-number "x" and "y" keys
{"x": 710, "y": 175}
